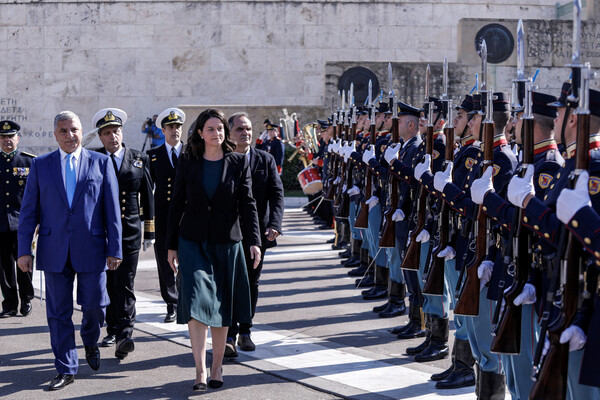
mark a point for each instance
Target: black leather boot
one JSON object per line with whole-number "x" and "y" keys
{"x": 463, "y": 374}
{"x": 378, "y": 309}
{"x": 416, "y": 327}
{"x": 492, "y": 386}
{"x": 396, "y": 306}
{"x": 364, "y": 264}
{"x": 445, "y": 374}
{"x": 411, "y": 351}
{"x": 380, "y": 290}
{"x": 438, "y": 346}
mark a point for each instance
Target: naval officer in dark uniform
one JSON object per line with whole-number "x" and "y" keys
{"x": 14, "y": 168}
{"x": 163, "y": 161}
{"x": 133, "y": 175}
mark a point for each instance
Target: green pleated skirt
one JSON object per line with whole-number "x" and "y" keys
{"x": 214, "y": 286}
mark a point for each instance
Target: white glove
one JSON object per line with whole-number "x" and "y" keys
{"x": 344, "y": 188}
{"x": 442, "y": 178}
{"x": 337, "y": 180}
{"x": 484, "y": 272}
{"x": 398, "y": 215}
{"x": 527, "y": 296}
{"x": 546, "y": 346}
{"x": 481, "y": 186}
{"x": 336, "y": 146}
{"x": 368, "y": 154}
{"x": 353, "y": 191}
{"x": 423, "y": 167}
{"x": 575, "y": 336}
{"x": 520, "y": 188}
{"x": 330, "y": 147}
{"x": 349, "y": 150}
{"x": 147, "y": 243}
{"x": 264, "y": 135}
{"x": 572, "y": 200}
{"x": 391, "y": 153}
{"x": 372, "y": 202}
{"x": 423, "y": 236}
{"x": 448, "y": 253}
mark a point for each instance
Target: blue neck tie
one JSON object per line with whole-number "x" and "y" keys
{"x": 70, "y": 178}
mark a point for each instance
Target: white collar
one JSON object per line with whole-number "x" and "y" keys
{"x": 76, "y": 154}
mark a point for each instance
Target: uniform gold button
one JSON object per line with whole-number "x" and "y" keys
{"x": 525, "y": 219}
{"x": 8, "y": 170}
{"x": 558, "y": 176}
{"x": 484, "y": 208}
{"x": 168, "y": 199}
{"x": 123, "y": 208}
{"x": 7, "y": 181}
{"x": 123, "y": 201}
{"x": 552, "y": 186}
{"x": 536, "y": 227}
{"x": 8, "y": 160}
{"x": 122, "y": 215}
{"x": 460, "y": 209}
{"x": 7, "y": 206}
{"x": 575, "y": 224}
{"x": 587, "y": 241}
{"x": 168, "y": 192}
{"x": 597, "y": 254}
{"x": 539, "y": 246}
{"x": 406, "y": 177}
{"x": 451, "y": 203}
{"x": 547, "y": 236}
{"x": 169, "y": 185}
{"x": 169, "y": 179}
{"x": 466, "y": 185}
{"x": 124, "y": 193}
{"x": 8, "y": 194}
{"x": 443, "y": 194}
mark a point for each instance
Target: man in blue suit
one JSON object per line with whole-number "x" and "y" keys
{"x": 72, "y": 194}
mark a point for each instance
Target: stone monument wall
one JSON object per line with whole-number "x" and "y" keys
{"x": 143, "y": 56}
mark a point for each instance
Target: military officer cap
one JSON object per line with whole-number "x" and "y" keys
{"x": 170, "y": 116}
{"x": 362, "y": 110}
{"x": 438, "y": 105}
{"x": 109, "y": 117}
{"x": 8, "y": 128}
{"x": 383, "y": 107}
{"x": 407, "y": 109}
{"x": 562, "y": 99}
{"x": 272, "y": 126}
{"x": 540, "y": 104}
{"x": 467, "y": 104}
{"x": 499, "y": 103}
{"x": 323, "y": 123}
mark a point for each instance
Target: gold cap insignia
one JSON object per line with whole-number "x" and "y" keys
{"x": 6, "y": 126}
{"x": 109, "y": 116}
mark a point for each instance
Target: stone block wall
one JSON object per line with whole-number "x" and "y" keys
{"x": 144, "y": 55}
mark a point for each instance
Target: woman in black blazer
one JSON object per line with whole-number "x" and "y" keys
{"x": 212, "y": 192}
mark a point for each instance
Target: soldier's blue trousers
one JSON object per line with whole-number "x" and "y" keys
{"x": 394, "y": 262}
{"x": 352, "y": 219}
{"x": 452, "y": 276}
{"x": 436, "y": 306}
{"x": 518, "y": 367}
{"x": 480, "y": 338}
{"x": 372, "y": 232}
{"x": 575, "y": 390}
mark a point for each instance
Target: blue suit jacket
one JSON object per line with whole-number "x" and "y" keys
{"x": 88, "y": 231}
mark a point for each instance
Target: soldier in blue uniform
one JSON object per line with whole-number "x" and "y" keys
{"x": 540, "y": 216}
{"x": 274, "y": 145}
{"x": 547, "y": 162}
{"x": 491, "y": 378}
{"x": 14, "y": 169}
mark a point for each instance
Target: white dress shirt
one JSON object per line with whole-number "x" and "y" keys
{"x": 177, "y": 151}
{"x": 119, "y": 155}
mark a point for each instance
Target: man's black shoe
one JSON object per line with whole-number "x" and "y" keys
{"x": 60, "y": 381}
{"x": 394, "y": 309}
{"x": 26, "y": 308}
{"x": 345, "y": 254}
{"x": 332, "y": 240}
{"x": 378, "y": 309}
{"x": 171, "y": 317}
{"x": 245, "y": 343}
{"x": 124, "y": 347}
{"x": 8, "y": 314}
{"x": 92, "y": 356}
{"x": 108, "y": 341}
{"x": 352, "y": 264}
{"x": 325, "y": 226}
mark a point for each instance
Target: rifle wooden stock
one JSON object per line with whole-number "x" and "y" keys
{"x": 388, "y": 231}
{"x": 434, "y": 285}
{"x": 362, "y": 219}
{"x": 507, "y": 332}
{"x": 412, "y": 257}
{"x": 551, "y": 381}
{"x": 468, "y": 301}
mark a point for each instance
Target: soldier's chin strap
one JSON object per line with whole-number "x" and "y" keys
{"x": 564, "y": 125}
{"x": 466, "y": 128}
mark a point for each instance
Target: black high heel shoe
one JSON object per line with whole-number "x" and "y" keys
{"x": 214, "y": 384}
{"x": 199, "y": 387}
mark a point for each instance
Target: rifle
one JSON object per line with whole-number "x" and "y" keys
{"x": 341, "y": 164}
{"x": 468, "y": 300}
{"x": 551, "y": 373}
{"x": 434, "y": 285}
{"x": 332, "y": 167}
{"x": 388, "y": 230}
{"x": 413, "y": 252}
{"x": 344, "y": 208}
{"x": 362, "y": 219}
{"x": 507, "y": 330}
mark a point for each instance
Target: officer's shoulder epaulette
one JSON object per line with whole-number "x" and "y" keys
{"x": 28, "y": 154}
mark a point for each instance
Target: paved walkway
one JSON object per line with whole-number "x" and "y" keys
{"x": 316, "y": 339}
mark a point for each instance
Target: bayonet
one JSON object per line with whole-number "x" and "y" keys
{"x": 370, "y": 98}
{"x": 483, "y": 54}
{"x": 427, "y": 92}
{"x": 394, "y": 108}
{"x": 576, "y": 49}
{"x": 445, "y": 80}
{"x": 390, "y": 81}
{"x": 520, "y": 50}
